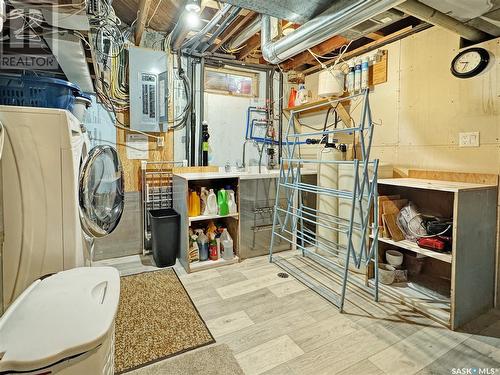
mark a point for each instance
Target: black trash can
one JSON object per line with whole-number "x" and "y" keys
{"x": 165, "y": 236}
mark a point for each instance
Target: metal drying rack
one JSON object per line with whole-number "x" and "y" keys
{"x": 156, "y": 192}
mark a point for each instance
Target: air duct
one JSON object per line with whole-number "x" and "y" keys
{"x": 342, "y": 16}
{"x": 246, "y": 34}
{"x": 435, "y": 17}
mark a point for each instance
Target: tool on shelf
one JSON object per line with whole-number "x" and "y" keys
{"x": 296, "y": 218}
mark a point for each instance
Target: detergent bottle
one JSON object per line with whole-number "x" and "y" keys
{"x": 222, "y": 201}
{"x": 292, "y": 97}
{"x": 194, "y": 204}
{"x": 231, "y": 200}
{"x": 302, "y": 95}
{"x": 211, "y": 208}
{"x": 203, "y": 201}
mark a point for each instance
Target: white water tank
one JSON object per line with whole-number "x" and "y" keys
{"x": 331, "y": 82}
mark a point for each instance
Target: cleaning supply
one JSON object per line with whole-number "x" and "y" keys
{"x": 292, "y": 97}
{"x": 203, "y": 201}
{"x": 227, "y": 245}
{"x": 357, "y": 77}
{"x": 202, "y": 244}
{"x": 194, "y": 251}
{"x": 231, "y": 200}
{"x": 302, "y": 95}
{"x": 204, "y": 146}
{"x": 211, "y": 208}
{"x": 194, "y": 204}
{"x": 350, "y": 78}
{"x": 222, "y": 201}
{"x": 213, "y": 253}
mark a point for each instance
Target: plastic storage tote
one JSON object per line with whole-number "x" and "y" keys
{"x": 34, "y": 91}
{"x": 165, "y": 237}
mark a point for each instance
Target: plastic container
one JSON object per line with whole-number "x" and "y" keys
{"x": 292, "y": 97}
{"x": 386, "y": 273}
{"x": 82, "y": 103}
{"x": 211, "y": 203}
{"x": 202, "y": 244}
{"x": 194, "y": 208}
{"x": 203, "y": 201}
{"x": 357, "y": 77}
{"x": 365, "y": 66}
{"x": 227, "y": 245}
{"x": 331, "y": 82}
{"x": 394, "y": 258}
{"x": 231, "y": 202}
{"x": 350, "y": 79}
{"x": 222, "y": 202}
{"x": 302, "y": 95}
{"x": 165, "y": 229}
{"x": 33, "y": 91}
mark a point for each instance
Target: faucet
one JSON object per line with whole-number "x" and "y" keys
{"x": 243, "y": 165}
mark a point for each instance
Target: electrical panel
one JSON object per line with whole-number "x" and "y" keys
{"x": 148, "y": 90}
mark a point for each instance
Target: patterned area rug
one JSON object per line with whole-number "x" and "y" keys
{"x": 156, "y": 319}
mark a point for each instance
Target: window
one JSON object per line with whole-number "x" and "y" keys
{"x": 231, "y": 82}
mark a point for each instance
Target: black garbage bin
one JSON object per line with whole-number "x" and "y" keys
{"x": 165, "y": 236}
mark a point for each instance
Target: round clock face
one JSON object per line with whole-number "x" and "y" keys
{"x": 470, "y": 62}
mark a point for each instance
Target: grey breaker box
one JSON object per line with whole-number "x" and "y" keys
{"x": 148, "y": 89}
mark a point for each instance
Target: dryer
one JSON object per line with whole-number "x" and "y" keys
{"x": 43, "y": 152}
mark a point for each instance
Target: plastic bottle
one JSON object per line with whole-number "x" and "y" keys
{"x": 364, "y": 73}
{"x": 211, "y": 203}
{"x": 292, "y": 97}
{"x": 231, "y": 200}
{"x": 301, "y": 95}
{"x": 357, "y": 77}
{"x": 213, "y": 253}
{"x": 350, "y": 78}
{"x": 227, "y": 245}
{"x": 202, "y": 244}
{"x": 194, "y": 204}
{"x": 203, "y": 201}
{"x": 222, "y": 201}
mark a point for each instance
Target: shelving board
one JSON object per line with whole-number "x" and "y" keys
{"x": 438, "y": 309}
{"x": 212, "y": 217}
{"x": 449, "y": 186}
{"x": 208, "y": 264}
{"x": 412, "y": 246}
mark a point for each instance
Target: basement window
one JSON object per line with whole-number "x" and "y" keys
{"x": 231, "y": 82}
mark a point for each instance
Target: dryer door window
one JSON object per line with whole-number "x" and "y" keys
{"x": 101, "y": 191}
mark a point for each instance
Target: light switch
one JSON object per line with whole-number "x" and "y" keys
{"x": 469, "y": 139}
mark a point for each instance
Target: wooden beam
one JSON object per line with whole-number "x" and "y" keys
{"x": 251, "y": 45}
{"x": 323, "y": 48}
{"x": 142, "y": 19}
{"x": 234, "y": 29}
{"x": 375, "y": 35}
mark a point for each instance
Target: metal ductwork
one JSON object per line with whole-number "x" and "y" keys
{"x": 340, "y": 17}
{"x": 246, "y": 34}
{"x": 435, "y": 17}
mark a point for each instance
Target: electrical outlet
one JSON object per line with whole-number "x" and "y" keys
{"x": 469, "y": 139}
{"x": 160, "y": 141}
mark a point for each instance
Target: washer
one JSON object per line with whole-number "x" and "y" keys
{"x": 42, "y": 155}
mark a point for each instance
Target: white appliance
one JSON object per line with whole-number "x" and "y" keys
{"x": 62, "y": 324}
{"x": 43, "y": 152}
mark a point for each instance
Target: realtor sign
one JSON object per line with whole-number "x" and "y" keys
{"x": 28, "y": 62}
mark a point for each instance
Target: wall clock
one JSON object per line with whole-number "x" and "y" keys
{"x": 470, "y": 62}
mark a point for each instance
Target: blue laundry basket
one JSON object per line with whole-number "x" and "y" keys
{"x": 33, "y": 91}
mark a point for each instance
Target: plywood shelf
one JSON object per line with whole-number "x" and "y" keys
{"x": 412, "y": 246}
{"x": 208, "y": 264}
{"x": 448, "y": 186}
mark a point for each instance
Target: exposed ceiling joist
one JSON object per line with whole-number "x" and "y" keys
{"x": 251, "y": 45}
{"x": 142, "y": 19}
{"x": 321, "y": 49}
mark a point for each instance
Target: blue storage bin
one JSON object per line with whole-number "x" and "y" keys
{"x": 33, "y": 91}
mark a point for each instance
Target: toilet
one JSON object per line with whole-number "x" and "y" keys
{"x": 62, "y": 324}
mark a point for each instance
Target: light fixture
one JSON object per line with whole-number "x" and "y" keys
{"x": 192, "y": 19}
{"x": 193, "y": 6}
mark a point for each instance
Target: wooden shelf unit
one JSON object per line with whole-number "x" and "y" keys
{"x": 181, "y": 185}
{"x": 469, "y": 271}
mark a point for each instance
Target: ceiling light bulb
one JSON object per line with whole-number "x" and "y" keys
{"x": 193, "y": 6}
{"x": 192, "y": 19}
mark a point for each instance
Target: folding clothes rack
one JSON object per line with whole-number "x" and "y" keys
{"x": 156, "y": 192}
{"x": 291, "y": 220}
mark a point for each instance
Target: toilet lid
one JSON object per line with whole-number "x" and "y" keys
{"x": 101, "y": 191}
{"x": 61, "y": 316}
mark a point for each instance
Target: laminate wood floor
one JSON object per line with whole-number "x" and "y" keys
{"x": 279, "y": 326}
